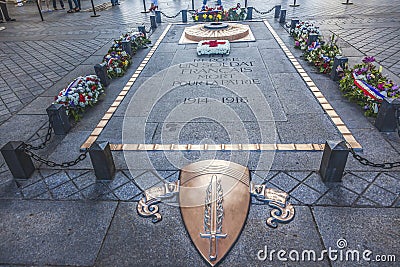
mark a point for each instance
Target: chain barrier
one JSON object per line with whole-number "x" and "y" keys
{"x": 366, "y": 162}
{"x": 46, "y": 139}
{"x": 170, "y": 17}
{"x": 51, "y": 163}
{"x": 263, "y": 13}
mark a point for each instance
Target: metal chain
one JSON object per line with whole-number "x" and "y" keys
{"x": 46, "y": 138}
{"x": 263, "y": 13}
{"x": 366, "y": 162}
{"x": 50, "y": 163}
{"x": 171, "y": 17}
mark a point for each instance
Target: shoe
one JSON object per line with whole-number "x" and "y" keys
{"x": 63, "y": 7}
{"x": 55, "y": 8}
{"x": 117, "y": 3}
{"x": 1, "y": 21}
{"x": 10, "y": 19}
{"x": 71, "y": 11}
{"x": 77, "y": 9}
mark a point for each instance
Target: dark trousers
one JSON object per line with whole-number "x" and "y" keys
{"x": 4, "y": 10}
{"x": 55, "y": 4}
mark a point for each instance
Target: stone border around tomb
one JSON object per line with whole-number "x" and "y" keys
{"x": 337, "y": 121}
{"x": 340, "y": 125}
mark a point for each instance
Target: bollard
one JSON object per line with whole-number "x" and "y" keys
{"x": 282, "y": 17}
{"x": 102, "y": 160}
{"x": 312, "y": 37}
{"x": 40, "y": 11}
{"x": 294, "y": 4}
{"x": 144, "y": 7}
{"x": 333, "y": 161}
{"x": 94, "y": 11}
{"x": 347, "y": 3}
{"x": 184, "y": 16}
{"x": 153, "y": 22}
{"x": 388, "y": 115}
{"x": 127, "y": 47}
{"x": 142, "y": 29}
{"x": 277, "y": 11}
{"x": 59, "y": 119}
{"x": 249, "y": 13}
{"x": 338, "y": 61}
{"x": 293, "y": 23}
{"x": 158, "y": 16}
{"x": 192, "y": 6}
{"x": 101, "y": 72}
{"x": 19, "y": 163}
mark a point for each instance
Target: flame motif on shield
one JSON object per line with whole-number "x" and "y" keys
{"x": 214, "y": 200}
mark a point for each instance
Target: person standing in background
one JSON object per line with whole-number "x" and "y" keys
{"x": 154, "y": 5}
{"x": 71, "y": 9}
{"x": 4, "y": 11}
{"x": 47, "y": 5}
{"x": 55, "y": 4}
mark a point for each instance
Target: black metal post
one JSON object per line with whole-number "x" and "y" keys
{"x": 338, "y": 61}
{"x": 59, "y": 119}
{"x": 347, "y": 3}
{"x": 294, "y": 4}
{"x": 94, "y": 11}
{"x": 102, "y": 160}
{"x": 277, "y": 11}
{"x": 312, "y": 37}
{"x": 142, "y": 29}
{"x": 127, "y": 47}
{"x": 184, "y": 16}
{"x": 192, "y": 6}
{"x": 249, "y": 13}
{"x": 144, "y": 7}
{"x": 40, "y": 11}
{"x": 245, "y": 3}
{"x": 293, "y": 23}
{"x": 282, "y": 16}
{"x": 333, "y": 161}
{"x": 101, "y": 72}
{"x": 19, "y": 163}
{"x": 153, "y": 22}
{"x": 387, "y": 121}
{"x": 158, "y": 16}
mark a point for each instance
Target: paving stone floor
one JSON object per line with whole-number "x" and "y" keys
{"x": 67, "y": 218}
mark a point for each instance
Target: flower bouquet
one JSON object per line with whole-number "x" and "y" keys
{"x": 322, "y": 55}
{"x": 137, "y": 39}
{"x": 117, "y": 63}
{"x": 365, "y": 85}
{"x": 213, "y": 47}
{"x": 207, "y": 14}
{"x": 301, "y": 31}
{"x": 80, "y": 94}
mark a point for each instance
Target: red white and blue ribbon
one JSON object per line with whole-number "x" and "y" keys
{"x": 368, "y": 89}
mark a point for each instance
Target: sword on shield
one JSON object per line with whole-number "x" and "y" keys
{"x": 213, "y": 215}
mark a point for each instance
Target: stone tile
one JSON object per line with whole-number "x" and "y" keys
{"x": 171, "y": 245}
{"x": 368, "y": 176}
{"x": 284, "y": 182}
{"x": 127, "y": 191}
{"x": 341, "y": 195}
{"x": 34, "y": 190}
{"x": 380, "y": 196}
{"x": 56, "y": 179}
{"x": 364, "y": 202}
{"x": 335, "y": 223}
{"x": 315, "y": 182}
{"x": 64, "y": 190}
{"x": 387, "y": 182}
{"x": 354, "y": 183}
{"x": 84, "y": 180}
{"x": 53, "y": 233}
{"x": 305, "y": 194}
{"x": 300, "y": 176}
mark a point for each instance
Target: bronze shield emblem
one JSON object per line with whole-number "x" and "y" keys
{"x": 214, "y": 201}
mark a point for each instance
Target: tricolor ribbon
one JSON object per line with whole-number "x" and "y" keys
{"x": 368, "y": 89}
